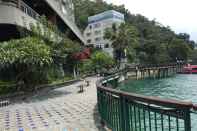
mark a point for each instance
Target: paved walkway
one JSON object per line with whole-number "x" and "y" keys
{"x": 62, "y": 109}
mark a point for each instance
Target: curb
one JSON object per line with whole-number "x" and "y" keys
{"x": 51, "y": 86}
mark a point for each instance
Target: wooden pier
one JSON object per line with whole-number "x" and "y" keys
{"x": 158, "y": 71}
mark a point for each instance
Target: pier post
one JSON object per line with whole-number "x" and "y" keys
{"x": 153, "y": 73}
{"x": 149, "y": 75}
{"x": 170, "y": 70}
{"x": 167, "y": 71}
{"x": 164, "y": 73}
{"x": 158, "y": 73}
{"x": 141, "y": 76}
{"x": 136, "y": 74}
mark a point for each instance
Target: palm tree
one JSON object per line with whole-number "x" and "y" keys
{"x": 124, "y": 38}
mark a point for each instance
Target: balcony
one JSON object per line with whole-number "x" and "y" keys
{"x": 23, "y": 7}
{"x": 23, "y": 12}
{"x": 17, "y": 13}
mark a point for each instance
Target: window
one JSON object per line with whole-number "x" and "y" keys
{"x": 89, "y": 41}
{"x": 97, "y": 32}
{"x": 98, "y": 39}
{"x": 98, "y": 46}
{"x": 97, "y": 25}
{"x": 106, "y": 45}
{"x": 88, "y": 34}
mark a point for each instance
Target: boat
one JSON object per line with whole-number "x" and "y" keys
{"x": 190, "y": 69}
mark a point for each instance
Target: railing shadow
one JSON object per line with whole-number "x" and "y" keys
{"x": 97, "y": 120}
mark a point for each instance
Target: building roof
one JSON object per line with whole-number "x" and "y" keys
{"x": 106, "y": 15}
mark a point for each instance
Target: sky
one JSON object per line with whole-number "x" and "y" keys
{"x": 180, "y": 15}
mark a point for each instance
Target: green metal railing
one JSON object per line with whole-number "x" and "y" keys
{"x": 122, "y": 111}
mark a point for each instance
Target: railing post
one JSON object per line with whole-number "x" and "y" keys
{"x": 122, "y": 113}
{"x": 101, "y": 106}
{"x": 187, "y": 120}
{"x": 98, "y": 101}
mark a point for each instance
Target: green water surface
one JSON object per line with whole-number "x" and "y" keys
{"x": 179, "y": 87}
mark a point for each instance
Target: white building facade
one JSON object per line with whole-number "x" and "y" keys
{"x": 97, "y": 25}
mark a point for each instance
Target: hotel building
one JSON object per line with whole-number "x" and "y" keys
{"x": 95, "y": 31}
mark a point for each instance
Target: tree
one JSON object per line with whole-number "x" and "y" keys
{"x": 151, "y": 33}
{"x": 29, "y": 57}
{"x": 101, "y": 60}
{"x": 179, "y": 50}
{"x": 123, "y": 37}
{"x": 193, "y": 57}
{"x": 86, "y": 66}
{"x": 61, "y": 46}
{"x": 186, "y": 38}
{"x": 40, "y": 56}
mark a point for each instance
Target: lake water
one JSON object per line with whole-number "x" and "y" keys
{"x": 179, "y": 87}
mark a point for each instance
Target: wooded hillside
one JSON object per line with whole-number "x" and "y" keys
{"x": 158, "y": 43}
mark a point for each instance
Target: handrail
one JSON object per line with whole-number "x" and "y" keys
{"x": 147, "y": 99}
{"x": 160, "y": 65}
{"x": 121, "y": 108}
{"x": 28, "y": 10}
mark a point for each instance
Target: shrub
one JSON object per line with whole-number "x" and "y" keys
{"x": 30, "y": 57}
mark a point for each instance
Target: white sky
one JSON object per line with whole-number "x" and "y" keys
{"x": 180, "y": 15}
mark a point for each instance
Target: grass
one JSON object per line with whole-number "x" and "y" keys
{"x": 3, "y": 82}
{"x": 66, "y": 78}
{"x": 7, "y": 87}
{"x": 6, "y": 83}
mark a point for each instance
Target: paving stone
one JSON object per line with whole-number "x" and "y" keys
{"x": 56, "y": 110}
